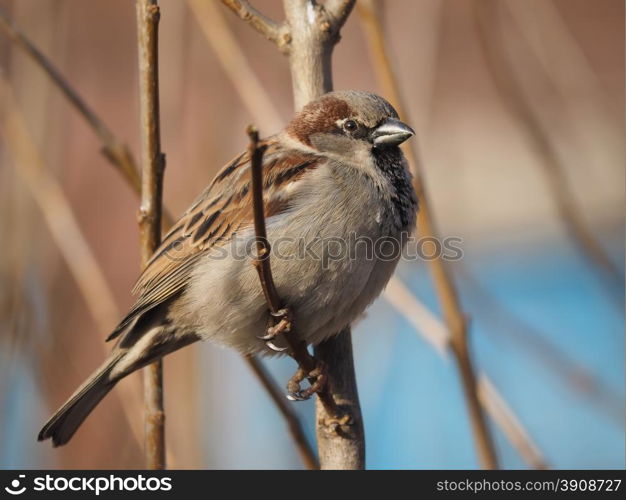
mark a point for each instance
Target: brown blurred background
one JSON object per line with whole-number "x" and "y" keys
{"x": 486, "y": 178}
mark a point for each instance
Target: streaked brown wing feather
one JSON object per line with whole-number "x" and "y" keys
{"x": 221, "y": 210}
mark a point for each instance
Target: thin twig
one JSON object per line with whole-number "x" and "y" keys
{"x": 298, "y": 348}
{"x": 510, "y": 89}
{"x": 267, "y": 27}
{"x": 453, "y": 314}
{"x": 153, "y": 165}
{"x": 286, "y": 409}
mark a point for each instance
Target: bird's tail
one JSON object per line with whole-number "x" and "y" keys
{"x": 64, "y": 423}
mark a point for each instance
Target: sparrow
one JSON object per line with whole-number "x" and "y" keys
{"x": 339, "y": 206}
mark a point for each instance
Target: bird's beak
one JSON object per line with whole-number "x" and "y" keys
{"x": 391, "y": 132}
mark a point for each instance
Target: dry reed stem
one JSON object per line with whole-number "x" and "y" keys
{"x": 447, "y": 294}
{"x": 235, "y": 65}
{"x": 511, "y": 92}
{"x": 437, "y": 335}
{"x": 115, "y": 151}
{"x": 67, "y": 235}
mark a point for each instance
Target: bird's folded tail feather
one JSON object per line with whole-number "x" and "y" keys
{"x": 64, "y": 423}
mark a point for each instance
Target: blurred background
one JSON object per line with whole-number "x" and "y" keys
{"x": 519, "y": 111}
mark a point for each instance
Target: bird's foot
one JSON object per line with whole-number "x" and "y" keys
{"x": 317, "y": 377}
{"x": 280, "y": 323}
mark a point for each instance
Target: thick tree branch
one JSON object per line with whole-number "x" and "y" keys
{"x": 152, "y": 168}
{"x": 313, "y": 37}
{"x": 445, "y": 288}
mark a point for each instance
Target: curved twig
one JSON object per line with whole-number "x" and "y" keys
{"x": 269, "y": 28}
{"x": 297, "y": 347}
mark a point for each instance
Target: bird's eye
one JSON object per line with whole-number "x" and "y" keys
{"x": 350, "y": 126}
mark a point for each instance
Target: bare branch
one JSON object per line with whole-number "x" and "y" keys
{"x": 311, "y": 50}
{"x": 152, "y": 168}
{"x": 312, "y": 43}
{"x": 267, "y": 27}
{"x": 445, "y": 288}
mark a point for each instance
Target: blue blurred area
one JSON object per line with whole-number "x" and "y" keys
{"x": 556, "y": 354}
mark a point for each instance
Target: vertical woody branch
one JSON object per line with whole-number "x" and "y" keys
{"x": 314, "y": 30}
{"x": 152, "y": 167}
{"x": 308, "y": 36}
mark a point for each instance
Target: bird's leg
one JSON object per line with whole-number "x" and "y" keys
{"x": 279, "y": 323}
{"x": 317, "y": 379}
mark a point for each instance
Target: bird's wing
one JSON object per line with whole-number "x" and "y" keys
{"x": 222, "y": 209}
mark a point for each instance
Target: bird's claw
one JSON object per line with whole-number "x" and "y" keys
{"x": 270, "y": 345}
{"x": 283, "y": 326}
{"x": 296, "y": 393}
